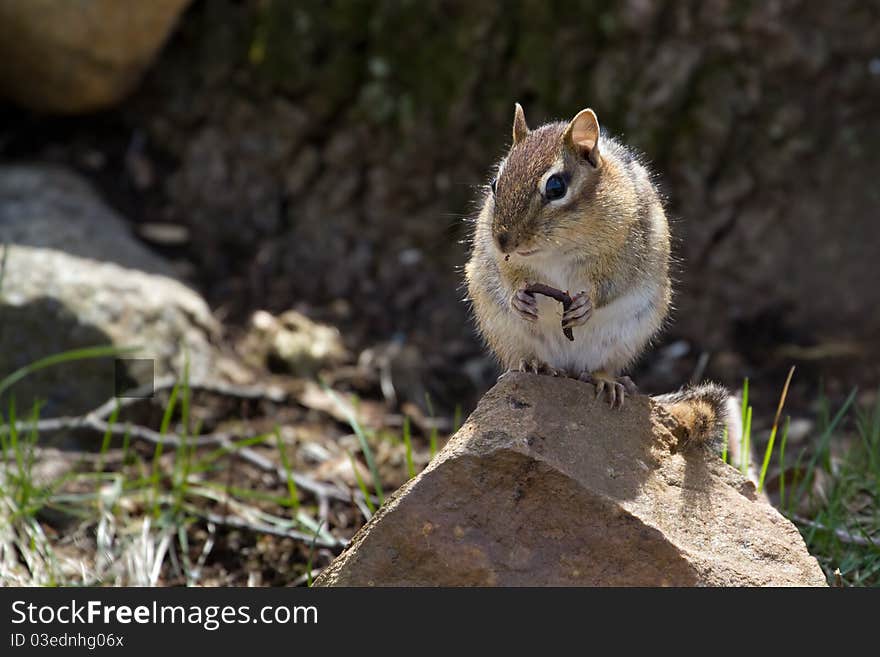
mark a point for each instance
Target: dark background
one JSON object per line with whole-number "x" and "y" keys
{"x": 325, "y": 156}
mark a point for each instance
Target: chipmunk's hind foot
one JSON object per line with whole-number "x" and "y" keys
{"x": 613, "y": 388}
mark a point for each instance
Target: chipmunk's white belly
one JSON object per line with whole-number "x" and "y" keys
{"x": 612, "y": 337}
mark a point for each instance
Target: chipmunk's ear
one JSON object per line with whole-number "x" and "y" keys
{"x": 582, "y": 135}
{"x": 520, "y": 128}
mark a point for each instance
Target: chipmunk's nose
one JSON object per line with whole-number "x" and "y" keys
{"x": 503, "y": 239}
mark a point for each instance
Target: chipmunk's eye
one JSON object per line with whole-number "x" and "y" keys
{"x": 493, "y": 184}
{"x": 555, "y": 187}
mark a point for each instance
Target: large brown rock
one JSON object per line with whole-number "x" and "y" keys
{"x": 546, "y": 486}
{"x": 79, "y": 55}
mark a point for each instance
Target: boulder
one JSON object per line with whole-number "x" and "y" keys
{"x": 51, "y": 208}
{"x": 68, "y": 57}
{"x": 544, "y": 485}
{"x": 74, "y": 278}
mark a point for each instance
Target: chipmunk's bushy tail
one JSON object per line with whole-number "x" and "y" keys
{"x": 704, "y": 411}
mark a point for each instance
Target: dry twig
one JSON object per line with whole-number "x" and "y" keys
{"x": 562, "y": 297}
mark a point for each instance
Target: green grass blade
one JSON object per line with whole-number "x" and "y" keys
{"x": 432, "y": 438}
{"x": 868, "y": 425}
{"x": 64, "y": 357}
{"x": 13, "y": 439}
{"x": 407, "y": 441}
{"x": 205, "y": 462}
{"x": 169, "y": 410}
{"x": 292, "y": 491}
{"x": 456, "y": 418}
{"x": 822, "y": 449}
{"x": 745, "y": 457}
{"x": 796, "y": 480}
{"x": 32, "y": 437}
{"x": 724, "y": 440}
{"x": 23, "y": 453}
{"x": 769, "y": 450}
{"x": 105, "y": 442}
{"x": 185, "y": 397}
{"x": 22, "y": 482}
{"x": 362, "y": 485}
{"x": 782, "y": 443}
{"x": 766, "y": 462}
{"x": 183, "y": 452}
{"x": 157, "y": 452}
{"x": 362, "y": 439}
{"x": 126, "y": 442}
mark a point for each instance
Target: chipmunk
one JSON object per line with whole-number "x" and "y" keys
{"x": 573, "y": 208}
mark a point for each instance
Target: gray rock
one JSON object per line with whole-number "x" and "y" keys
{"x": 544, "y": 485}
{"x": 75, "y": 278}
{"x": 52, "y": 208}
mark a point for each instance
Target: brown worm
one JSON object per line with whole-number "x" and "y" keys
{"x": 562, "y": 297}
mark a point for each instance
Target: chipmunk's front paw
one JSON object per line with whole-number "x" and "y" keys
{"x": 524, "y": 304}
{"x": 613, "y": 388}
{"x": 580, "y": 310}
